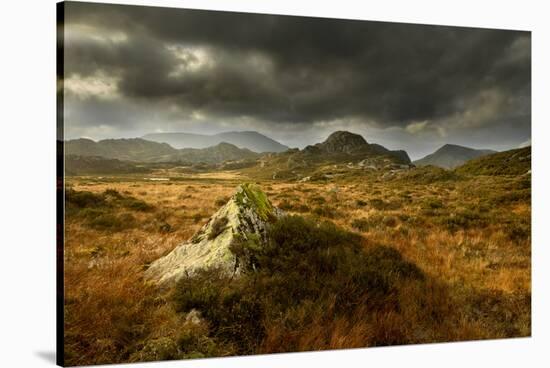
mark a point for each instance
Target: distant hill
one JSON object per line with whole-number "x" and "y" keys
{"x": 342, "y": 152}
{"x": 141, "y": 150}
{"x": 451, "y": 155}
{"x": 513, "y": 162}
{"x": 251, "y": 140}
{"x": 135, "y": 149}
{"x": 216, "y": 154}
{"x": 351, "y": 144}
{"x": 91, "y": 165}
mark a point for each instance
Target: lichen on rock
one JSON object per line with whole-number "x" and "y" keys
{"x": 247, "y": 213}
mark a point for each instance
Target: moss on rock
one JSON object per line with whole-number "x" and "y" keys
{"x": 251, "y": 196}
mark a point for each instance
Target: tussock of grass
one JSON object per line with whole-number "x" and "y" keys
{"x": 428, "y": 175}
{"x": 108, "y": 221}
{"x": 361, "y": 203}
{"x": 287, "y": 205}
{"x": 463, "y": 219}
{"x": 326, "y": 211}
{"x": 83, "y": 199}
{"x": 382, "y": 205}
{"x": 103, "y": 211}
{"x": 318, "y": 200}
{"x": 361, "y": 224}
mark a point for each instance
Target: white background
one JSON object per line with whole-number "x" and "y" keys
{"x": 27, "y": 204}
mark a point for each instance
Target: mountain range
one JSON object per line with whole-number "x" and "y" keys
{"x": 340, "y": 148}
{"x": 141, "y": 150}
{"x": 450, "y": 156}
{"x": 133, "y": 149}
{"x": 251, "y": 140}
{"x": 340, "y": 145}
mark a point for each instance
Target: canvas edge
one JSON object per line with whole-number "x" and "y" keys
{"x": 60, "y": 185}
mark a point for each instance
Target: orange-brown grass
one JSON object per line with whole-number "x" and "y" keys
{"x": 486, "y": 269}
{"x": 109, "y": 311}
{"x": 471, "y": 238}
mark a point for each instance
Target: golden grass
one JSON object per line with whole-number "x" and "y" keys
{"x": 480, "y": 273}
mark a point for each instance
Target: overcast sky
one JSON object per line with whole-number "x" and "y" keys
{"x": 134, "y": 70}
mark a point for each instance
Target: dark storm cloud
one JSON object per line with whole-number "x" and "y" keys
{"x": 296, "y": 70}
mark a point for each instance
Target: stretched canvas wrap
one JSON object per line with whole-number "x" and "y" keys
{"x": 235, "y": 184}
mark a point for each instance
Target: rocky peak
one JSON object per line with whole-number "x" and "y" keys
{"x": 247, "y": 214}
{"x": 343, "y": 142}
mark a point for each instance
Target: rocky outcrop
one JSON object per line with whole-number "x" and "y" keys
{"x": 341, "y": 142}
{"x": 400, "y": 155}
{"x": 247, "y": 214}
{"x": 353, "y": 145}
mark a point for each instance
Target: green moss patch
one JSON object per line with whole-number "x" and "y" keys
{"x": 251, "y": 196}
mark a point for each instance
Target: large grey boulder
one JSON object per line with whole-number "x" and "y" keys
{"x": 248, "y": 213}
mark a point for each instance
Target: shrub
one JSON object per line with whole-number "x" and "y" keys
{"x": 462, "y": 220}
{"x": 389, "y": 221}
{"x": 433, "y": 203}
{"x": 522, "y": 195}
{"x": 325, "y": 211}
{"x": 83, "y": 199}
{"x": 194, "y": 343}
{"x": 382, "y": 205}
{"x": 302, "y": 208}
{"x": 404, "y": 217}
{"x": 112, "y": 193}
{"x": 361, "y": 224}
{"x": 109, "y": 221}
{"x": 232, "y": 310}
{"x": 110, "y": 198}
{"x": 285, "y": 205}
{"x": 136, "y": 204}
{"x": 91, "y": 213}
{"x": 318, "y": 199}
{"x": 518, "y": 231}
{"x": 307, "y": 271}
{"x": 360, "y": 203}
{"x": 391, "y": 266}
{"x": 428, "y": 174}
{"x": 163, "y": 348}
